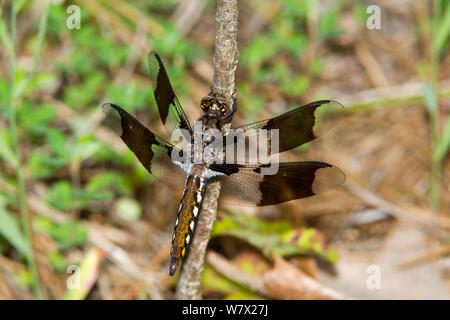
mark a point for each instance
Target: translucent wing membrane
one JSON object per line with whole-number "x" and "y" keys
{"x": 296, "y": 127}
{"x": 152, "y": 151}
{"x": 170, "y": 110}
{"x": 246, "y": 185}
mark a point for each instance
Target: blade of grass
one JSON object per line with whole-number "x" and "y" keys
{"x": 40, "y": 42}
{"x": 409, "y": 93}
{"x": 440, "y": 28}
{"x": 431, "y": 103}
{"x": 442, "y": 32}
{"x": 443, "y": 146}
{"x": 5, "y": 150}
{"x": 4, "y": 37}
{"x": 84, "y": 278}
{"x": 11, "y": 231}
{"x": 26, "y": 217}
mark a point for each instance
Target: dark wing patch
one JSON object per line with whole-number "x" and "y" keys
{"x": 245, "y": 185}
{"x": 170, "y": 110}
{"x": 296, "y": 127}
{"x": 152, "y": 151}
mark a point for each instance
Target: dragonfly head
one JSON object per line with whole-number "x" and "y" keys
{"x": 214, "y": 106}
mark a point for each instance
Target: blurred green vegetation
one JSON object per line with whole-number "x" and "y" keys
{"x": 77, "y": 68}
{"x": 274, "y": 237}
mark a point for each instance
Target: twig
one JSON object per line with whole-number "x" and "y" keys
{"x": 285, "y": 281}
{"x": 226, "y": 52}
{"x": 110, "y": 19}
{"x": 5, "y": 291}
{"x": 134, "y": 14}
{"x": 262, "y": 13}
{"x": 424, "y": 257}
{"x": 373, "y": 69}
{"x": 398, "y": 54}
{"x": 11, "y": 265}
{"x": 225, "y": 62}
{"x": 407, "y": 214}
{"x": 408, "y": 93}
{"x": 187, "y": 14}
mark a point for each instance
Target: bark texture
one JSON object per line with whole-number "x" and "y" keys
{"x": 225, "y": 63}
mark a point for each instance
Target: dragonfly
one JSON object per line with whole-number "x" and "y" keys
{"x": 243, "y": 182}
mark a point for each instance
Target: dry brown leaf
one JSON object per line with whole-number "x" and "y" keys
{"x": 287, "y": 282}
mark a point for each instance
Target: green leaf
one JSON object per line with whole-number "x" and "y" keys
{"x": 108, "y": 180}
{"x": 18, "y": 5}
{"x": 68, "y": 234}
{"x": 40, "y": 81}
{"x": 81, "y": 95}
{"x": 297, "y": 86}
{"x": 128, "y": 209}
{"x": 242, "y": 296}
{"x": 42, "y": 165}
{"x": 4, "y": 95}
{"x": 9, "y": 229}
{"x": 443, "y": 145}
{"x": 24, "y": 277}
{"x": 85, "y": 148}
{"x": 20, "y": 82}
{"x": 442, "y": 32}
{"x": 252, "y": 104}
{"x": 216, "y": 283}
{"x": 4, "y": 37}
{"x": 61, "y": 195}
{"x": 266, "y": 242}
{"x": 359, "y": 13}
{"x": 223, "y": 224}
{"x": 57, "y": 141}
{"x": 293, "y": 42}
{"x": 36, "y": 118}
{"x": 57, "y": 261}
{"x": 236, "y": 220}
{"x": 430, "y": 96}
{"x": 173, "y": 43}
{"x": 274, "y": 236}
{"x": 328, "y": 27}
{"x": 56, "y": 18}
{"x": 316, "y": 66}
{"x": 5, "y": 149}
{"x": 310, "y": 239}
{"x": 257, "y": 52}
{"x": 85, "y": 276}
{"x": 295, "y": 7}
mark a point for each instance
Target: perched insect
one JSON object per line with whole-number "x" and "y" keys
{"x": 243, "y": 183}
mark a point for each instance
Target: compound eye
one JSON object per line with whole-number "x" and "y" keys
{"x": 205, "y": 105}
